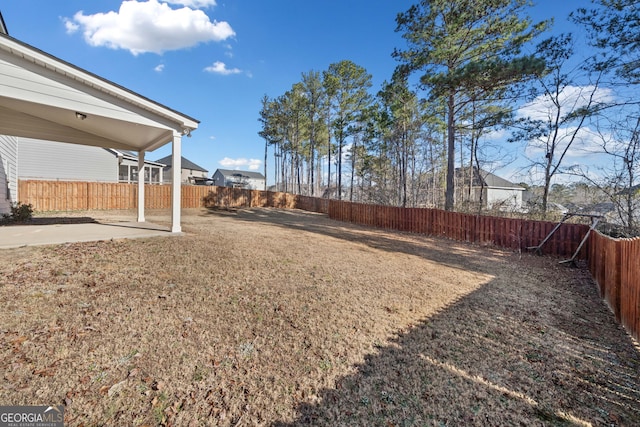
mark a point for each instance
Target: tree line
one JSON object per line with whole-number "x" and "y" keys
{"x": 467, "y": 70}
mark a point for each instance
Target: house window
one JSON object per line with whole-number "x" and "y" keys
{"x": 123, "y": 173}
{"x": 155, "y": 175}
{"x": 133, "y": 174}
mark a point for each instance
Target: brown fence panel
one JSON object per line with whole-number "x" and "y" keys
{"x": 614, "y": 266}
{"x": 515, "y": 234}
{"x": 193, "y": 196}
{"x": 630, "y": 285}
{"x": 312, "y": 204}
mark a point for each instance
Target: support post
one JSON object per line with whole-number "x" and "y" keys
{"x": 141, "y": 186}
{"x": 176, "y": 178}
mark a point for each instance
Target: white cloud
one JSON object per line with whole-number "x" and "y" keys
{"x": 221, "y": 68}
{"x": 570, "y": 99}
{"x": 251, "y": 164}
{"x": 586, "y": 143}
{"x": 71, "y": 26}
{"x": 150, "y": 26}
{"x": 159, "y": 68}
{"x": 496, "y": 135}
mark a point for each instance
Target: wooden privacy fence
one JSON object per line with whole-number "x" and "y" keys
{"x": 75, "y": 195}
{"x": 515, "y": 234}
{"x": 613, "y": 263}
{"x": 70, "y": 196}
{"x": 615, "y": 267}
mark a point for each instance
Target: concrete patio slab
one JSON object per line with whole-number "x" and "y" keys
{"x": 35, "y": 235}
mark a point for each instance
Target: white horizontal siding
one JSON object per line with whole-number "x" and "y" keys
{"x": 509, "y": 197}
{"x": 8, "y": 172}
{"x": 50, "y": 160}
{"x": 255, "y": 184}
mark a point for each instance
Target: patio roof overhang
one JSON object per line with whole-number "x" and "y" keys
{"x": 44, "y": 97}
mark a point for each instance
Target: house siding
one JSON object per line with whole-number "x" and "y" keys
{"x": 184, "y": 175}
{"x": 218, "y": 179}
{"x": 511, "y": 198}
{"x": 8, "y": 172}
{"x": 61, "y": 161}
{"x": 255, "y": 184}
{"x": 222, "y": 180}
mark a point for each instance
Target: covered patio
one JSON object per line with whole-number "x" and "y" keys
{"x": 17, "y": 236}
{"x": 46, "y": 98}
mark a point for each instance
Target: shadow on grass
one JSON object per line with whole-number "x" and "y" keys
{"x": 494, "y": 358}
{"x": 53, "y": 220}
{"x": 536, "y": 350}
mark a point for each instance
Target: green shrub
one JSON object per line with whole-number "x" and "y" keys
{"x": 20, "y": 212}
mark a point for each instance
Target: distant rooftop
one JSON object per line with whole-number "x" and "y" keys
{"x": 487, "y": 179}
{"x": 186, "y": 164}
{"x": 247, "y": 174}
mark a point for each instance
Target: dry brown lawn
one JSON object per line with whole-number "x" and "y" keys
{"x": 285, "y": 318}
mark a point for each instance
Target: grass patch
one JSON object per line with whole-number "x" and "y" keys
{"x": 284, "y": 318}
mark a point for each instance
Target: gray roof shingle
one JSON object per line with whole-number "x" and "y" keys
{"x": 248, "y": 174}
{"x": 186, "y": 163}
{"x": 487, "y": 179}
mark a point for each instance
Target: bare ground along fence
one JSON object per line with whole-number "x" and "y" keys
{"x": 613, "y": 263}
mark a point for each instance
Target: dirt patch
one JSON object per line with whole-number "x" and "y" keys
{"x": 283, "y": 318}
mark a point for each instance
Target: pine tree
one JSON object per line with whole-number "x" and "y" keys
{"x": 462, "y": 44}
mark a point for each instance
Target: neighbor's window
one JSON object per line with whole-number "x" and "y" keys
{"x": 123, "y": 173}
{"x": 155, "y": 175}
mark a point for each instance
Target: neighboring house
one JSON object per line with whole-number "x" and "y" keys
{"x": 239, "y": 179}
{"x": 128, "y": 168}
{"x": 50, "y": 160}
{"x": 190, "y": 171}
{"x": 497, "y": 192}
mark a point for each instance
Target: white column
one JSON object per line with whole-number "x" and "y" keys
{"x": 141, "y": 186}
{"x": 176, "y": 178}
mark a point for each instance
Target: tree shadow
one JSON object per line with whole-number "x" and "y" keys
{"x": 52, "y": 220}
{"x": 494, "y": 358}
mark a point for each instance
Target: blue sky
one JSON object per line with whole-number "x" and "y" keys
{"x": 214, "y": 59}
